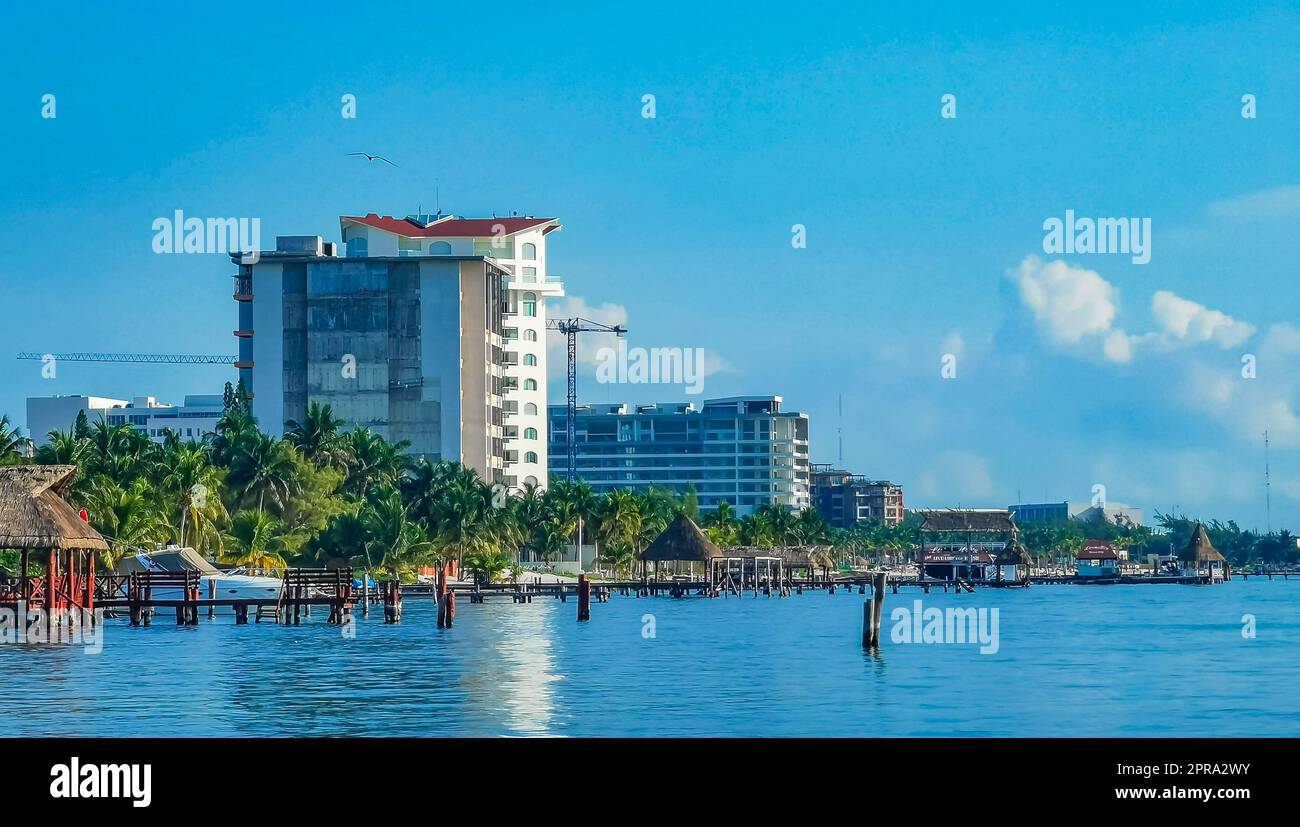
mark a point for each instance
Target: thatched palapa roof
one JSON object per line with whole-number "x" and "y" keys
{"x": 682, "y": 540}
{"x": 33, "y": 514}
{"x": 967, "y": 519}
{"x": 1199, "y": 548}
{"x": 1015, "y": 554}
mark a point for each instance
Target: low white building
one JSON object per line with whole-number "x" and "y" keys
{"x": 192, "y": 420}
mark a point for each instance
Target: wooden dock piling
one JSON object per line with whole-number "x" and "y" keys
{"x": 392, "y": 602}
{"x": 872, "y": 612}
{"x": 447, "y": 610}
{"x": 584, "y": 597}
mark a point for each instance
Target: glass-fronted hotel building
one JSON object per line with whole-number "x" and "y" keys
{"x": 743, "y": 450}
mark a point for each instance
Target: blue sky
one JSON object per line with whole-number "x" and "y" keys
{"x": 1071, "y": 370}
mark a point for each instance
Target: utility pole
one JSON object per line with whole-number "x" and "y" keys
{"x": 1268, "y": 493}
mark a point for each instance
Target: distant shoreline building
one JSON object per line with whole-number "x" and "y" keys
{"x": 845, "y": 499}
{"x": 1097, "y": 558}
{"x": 1062, "y": 512}
{"x": 966, "y": 544}
{"x": 192, "y": 420}
{"x": 743, "y": 450}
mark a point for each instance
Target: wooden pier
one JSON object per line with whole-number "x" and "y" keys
{"x": 300, "y": 589}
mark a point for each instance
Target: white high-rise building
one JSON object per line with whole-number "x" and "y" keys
{"x": 518, "y": 245}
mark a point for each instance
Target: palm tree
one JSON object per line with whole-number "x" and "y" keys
{"x": 344, "y": 537}
{"x": 130, "y": 518}
{"x": 810, "y": 528}
{"x": 192, "y": 486}
{"x": 460, "y": 518}
{"x": 394, "y": 541}
{"x": 781, "y": 524}
{"x": 319, "y": 437}
{"x": 424, "y": 486}
{"x": 263, "y": 468}
{"x": 232, "y": 430}
{"x": 587, "y": 506}
{"x": 721, "y": 525}
{"x": 620, "y": 526}
{"x": 13, "y": 445}
{"x": 254, "y": 541}
{"x": 62, "y": 448}
{"x": 529, "y": 512}
{"x": 549, "y": 541}
{"x": 756, "y": 529}
{"x": 374, "y": 461}
{"x": 562, "y": 509}
{"x": 119, "y": 452}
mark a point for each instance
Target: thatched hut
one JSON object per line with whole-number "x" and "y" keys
{"x": 35, "y": 517}
{"x": 961, "y": 543}
{"x": 1200, "y": 558}
{"x": 1014, "y": 562}
{"x": 681, "y": 542}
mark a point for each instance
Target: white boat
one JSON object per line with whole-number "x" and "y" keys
{"x": 230, "y": 585}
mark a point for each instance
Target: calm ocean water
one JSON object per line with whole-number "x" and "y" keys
{"x": 1073, "y": 661}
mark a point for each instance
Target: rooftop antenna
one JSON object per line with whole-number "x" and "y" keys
{"x": 1268, "y": 497}
{"x": 840, "y": 430}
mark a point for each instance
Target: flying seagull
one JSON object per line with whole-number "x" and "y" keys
{"x": 370, "y": 157}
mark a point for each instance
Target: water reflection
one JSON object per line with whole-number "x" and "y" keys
{"x": 511, "y": 681}
{"x": 1087, "y": 661}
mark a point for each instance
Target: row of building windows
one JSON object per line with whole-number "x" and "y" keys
{"x": 359, "y": 247}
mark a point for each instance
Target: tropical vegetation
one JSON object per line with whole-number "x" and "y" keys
{"x": 323, "y": 494}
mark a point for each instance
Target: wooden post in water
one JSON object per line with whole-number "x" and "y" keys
{"x": 584, "y": 597}
{"x": 365, "y": 593}
{"x": 212, "y": 595}
{"x": 868, "y": 633}
{"x": 877, "y": 605}
{"x": 872, "y": 612}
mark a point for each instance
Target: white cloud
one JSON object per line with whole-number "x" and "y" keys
{"x": 1248, "y": 407}
{"x": 1076, "y": 307}
{"x": 591, "y": 344}
{"x": 1118, "y": 347}
{"x": 570, "y": 307}
{"x": 714, "y": 363}
{"x": 1277, "y": 202}
{"x": 1069, "y": 303}
{"x": 1281, "y": 340}
{"x": 1186, "y": 321}
{"x": 954, "y": 343}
